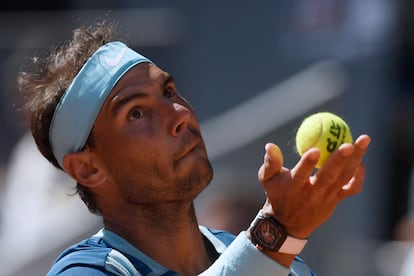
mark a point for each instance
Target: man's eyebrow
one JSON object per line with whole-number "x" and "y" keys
{"x": 119, "y": 101}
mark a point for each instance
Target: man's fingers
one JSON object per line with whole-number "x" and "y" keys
{"x": 343, "y": 163}
{"x": 355, "y": 185}
{"x": 330, "y": 171}
{"x": 360, "y": 148}
{"x": 304, "y": 168}
{"x": 272, "y": 163}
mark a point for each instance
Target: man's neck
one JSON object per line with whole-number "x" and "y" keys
{"x": 168, "y": 234}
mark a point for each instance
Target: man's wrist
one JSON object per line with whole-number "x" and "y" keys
{"x": 268, "y": 234}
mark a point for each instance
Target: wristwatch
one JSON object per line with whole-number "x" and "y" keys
{"x": 268, "y": 233}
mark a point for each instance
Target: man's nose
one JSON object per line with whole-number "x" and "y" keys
{"x": 181, "y": 116}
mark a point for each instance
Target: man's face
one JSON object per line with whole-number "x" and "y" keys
{"x": 148, "y": 139}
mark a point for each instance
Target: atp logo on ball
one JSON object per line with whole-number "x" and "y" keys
{"x": 337, "y": 136}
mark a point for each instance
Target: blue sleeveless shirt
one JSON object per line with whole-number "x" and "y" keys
{"x": 106, "y": 253}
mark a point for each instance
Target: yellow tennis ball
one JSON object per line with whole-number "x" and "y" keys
{"x": 325, "y": 131}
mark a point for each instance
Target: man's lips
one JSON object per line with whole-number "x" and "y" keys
{"x": 187, "y": 147}
{"x": 190, "y": 141}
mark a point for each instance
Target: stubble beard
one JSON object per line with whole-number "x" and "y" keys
{"x": 182, "y": 188}
{"x": 196, "y": 182}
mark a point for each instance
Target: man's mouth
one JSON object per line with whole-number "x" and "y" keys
{"x": 187, "y": 146}
{"x": 191, "y": 140}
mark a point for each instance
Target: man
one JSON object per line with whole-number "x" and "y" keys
{"x": 114, "y": 121}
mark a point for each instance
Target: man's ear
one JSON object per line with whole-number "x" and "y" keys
{"x": 81, "y": 168}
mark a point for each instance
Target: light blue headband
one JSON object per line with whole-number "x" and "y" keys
{"x": 78, "y": 108}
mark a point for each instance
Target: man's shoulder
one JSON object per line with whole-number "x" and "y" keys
{"x": 90, "y": 253}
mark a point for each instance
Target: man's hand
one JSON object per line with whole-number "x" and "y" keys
{"x": 301, "y": 200}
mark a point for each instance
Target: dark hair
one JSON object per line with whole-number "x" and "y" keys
{"x": 45, "y": 81}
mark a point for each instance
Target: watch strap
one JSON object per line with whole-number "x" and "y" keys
{"x": 293, "y": 245}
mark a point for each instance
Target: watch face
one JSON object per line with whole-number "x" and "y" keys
{"x": 267, "y": 235}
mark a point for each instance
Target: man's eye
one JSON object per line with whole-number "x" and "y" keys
{"x": 135, "y": 114}
{"x": 168, "y": 93}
